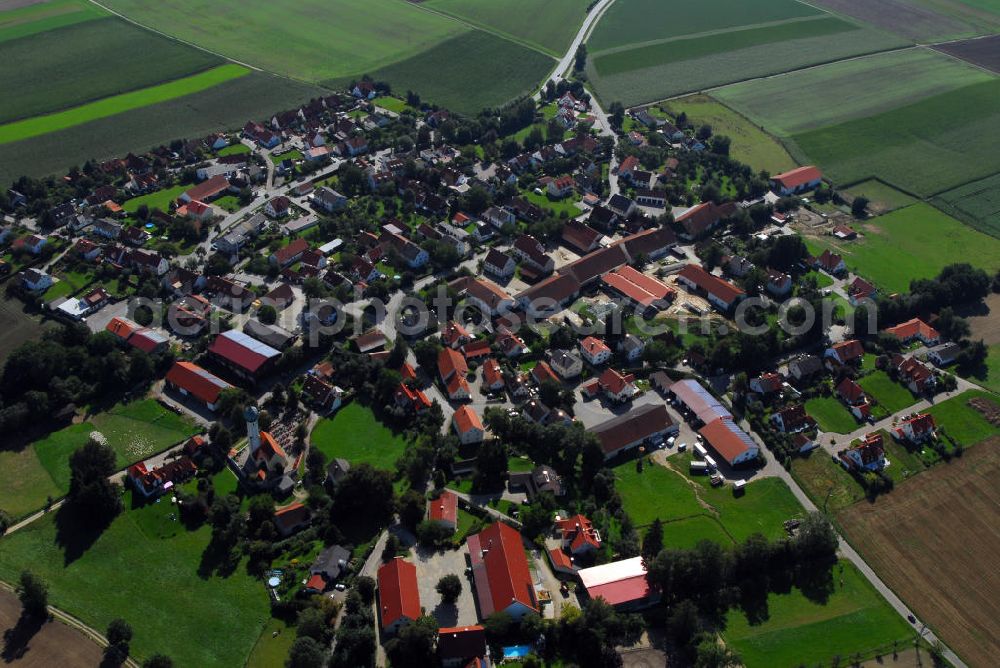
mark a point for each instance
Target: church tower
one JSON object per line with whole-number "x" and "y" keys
{"x": 253, "y": 429}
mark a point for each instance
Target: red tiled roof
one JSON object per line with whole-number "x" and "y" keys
{"x": 560, "y": 559}
{"x": 711, "y": 284}
{"x": 199, "y": 383}
{"x": 500, "y": 569}
{"x": 850, "y": 390}
{"x": 476, "y": 349}
{"x": 848, "y": 350}
{"x": 461, "y": 642}
{"x": 491, "y": 372}
{"x": 397, "y": 591}
{"x": 911, "y": 329}
{"x": 593, "y": 345}
{"x": 612, "y": 381}
{"x": 269, "y": 447}
{"x": 451, "y": 362}
{"x": 208, "y": 188}
{"x": 466, "y": 419}
{"x": 726, "y": 438}
{"x": 296, "y": 247}
{"x": 242, "y": 351}
{"x": 543, "y": 372}
{"x": 122, "y": 327}
{"x": 444, "y": 508}
{"x": 798, "y": 176}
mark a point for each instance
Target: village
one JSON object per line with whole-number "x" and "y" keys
{"x": 582, "y": 292}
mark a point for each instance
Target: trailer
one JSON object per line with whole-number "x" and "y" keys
{"x": 739, "y": 487}
{"x": 711, "y": 463}
{"x": 700, "y": 450}
{"x": 699, "y": 467}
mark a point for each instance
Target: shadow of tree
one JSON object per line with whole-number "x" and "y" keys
{"x": 815, "y": 581}
{"x": 77, "y": 531}
{"x": 17, "y": 638}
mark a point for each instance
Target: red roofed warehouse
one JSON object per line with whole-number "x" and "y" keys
{"x": 622, "y": 584}
{"x": 190, "y": 379}
{"x": 247, "y": 357}
{"x": 797, "y": 180}
{"x": 399, "y": 598}
{"x": 720, "y": 292}
{"x": 500, "y": 572}
{"x": 731, "y": 443}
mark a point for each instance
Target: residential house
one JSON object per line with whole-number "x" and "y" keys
{"x": 492, "y": 376}
{"x": 443, "y": 510}
{"x": 291, "y": 518}
{"x": 766, "y": 383}
{"x": 328, "y": 199}
{"x": 153, "y": 481}
{"x": 290, "y": 254}
{"x": 462, "y": 647}
{"x": 913, "y": 373}
{"x": 845, "y": 352}
{"x": 578, "y": 535}
{"x": 831, "y": 263}
{"x": 561, "y": 186}
{"x": 792, "y": 419}
{"x": 800, "y": 179}
{"x": 854, "y": 396}
{"x": 499, "y": 264}
{"x": 531, "y": 251}
{"x": 398, "y": 595}
{"x": 324, "y": 396}
{"x": 278, "y": 207}
{"x": 452, "y": 370}
{"x": 454, "y": 335}
{"x": 567, "y": 363}
{"x": 917, "y": 428}
{"x": 778, "y": 283}
{"x": 35, "y": 280}
{"x": 915, "y": 330}
{"x": 595, "y": 351}
{"x": 944, "y": 354}
{"x": 867, "y": 455}
{"x": 805, "y": 367}
{"x": 467, "y": 425}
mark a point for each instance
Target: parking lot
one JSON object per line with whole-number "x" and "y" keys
{"x": 431, "y": 567}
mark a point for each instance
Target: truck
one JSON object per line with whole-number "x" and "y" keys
{"x": 700, "y": 449}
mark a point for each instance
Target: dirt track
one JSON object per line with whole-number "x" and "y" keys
{"x": 55, "y": 644}
{"x": 935, "y": 540}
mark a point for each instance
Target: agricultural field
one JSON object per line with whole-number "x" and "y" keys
{"x": 809, "y": 99}
{"x": 811, "y": 625}
{"x": 912, "y": 147}
{"x": 667, "y": 79}
{"x": 135, "y": 431}
{"x": 227, "y": 105}
{"x": 64, "y": 59}
{"x": 911, "y": 243}
{"x": 55, "y": 643}
{"x": 976, "y": 204}
{"x": 984, "y": 52}
{"x": 16, "y": 326}
{"x": 750, "y": 145}
{"x": 919, "y": 20}
{"x": 630, "y": 22}
{"x": 925, "y": 539}
{"x": 548, "y": 25}
{"x": 116, "y": 104}
{"x": 893, "y": 130}
{"x": 457, "y": 82}
{"x": 354, "y": 434}
{"x": 309, "y": 40}
{"x": 177, "y": 602}
{"x": 34, "y": 18}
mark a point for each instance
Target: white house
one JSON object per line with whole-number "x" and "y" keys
{"x": 595, "y": 351}
{"x": 468, "y": 427}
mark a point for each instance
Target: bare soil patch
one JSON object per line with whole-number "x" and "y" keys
{"x": 984, "y": 52}
{"x": 984, "y": 319}
{"x": 903, "y": 18}
{"x": 935, "y": 542}
{"x": 54, "y": 644}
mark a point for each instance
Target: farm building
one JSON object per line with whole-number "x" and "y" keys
{"x": 398, "y": 595}
{"x": 244, "y": 356}
{"x": 622, "y": 584}
{"x": 731, "y": 443}
{"x": 720, "y": 292}
{"x": 191, "y": 380}
{"x": 633, "y": 428}
{"x": 797, "y": 180}
{"x": 500, "y": 573}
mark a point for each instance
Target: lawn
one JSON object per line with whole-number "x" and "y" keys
{"x": 989, "y": 376}
{"x": 69, "y": 283}
{"x": 233, "y": 149}
{"x": 146, "y": 568}
{"x": 685, "y": 533}
{"x": 548, "y": 25}
{"x": 826, "y": 482}
{"x": 489, "y": 72}
{"x": 656, "y": 492}
{"x": 35, "y": 18}
{"x": 294, "y": 154}
{"x": 160, "y": 199}
{"x": 310, "y": 40}
{"x": 763, "y": 508}
{"x": 750, "y": 144}
{"x": 556, "y": 206}
{"x": 888, "y": 393}
{"x": 26, "y": 482}
{"x": 355, "y": 435}
{"x": 64, "y": 59}
{"x": 135, "y": 431}
{"x": 271, "y": 650}
{"x": 116, "y": 104}
{"x": 810, "y": 99}
{"x": 228, "y": 105}
{"x": 230, "y": 203}
{"x": 811, "y": 628}
{"x": 911, "y": 243}
{"x": 392, "y": 104}
{"x": 976, "y": 204}
{"x": 831, "y": 415}
{"x": 635, "y": 21}
{"x": 910, "y": 147}
{"x": 963, "y": 422}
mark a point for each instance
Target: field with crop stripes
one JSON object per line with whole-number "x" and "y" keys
{"x": 976, "y": 203}
{"x": 549, "y": 25}
{"x": 37, "y": 18}
{"x": 87, "y": 61}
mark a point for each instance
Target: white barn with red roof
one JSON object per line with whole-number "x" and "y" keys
{"x": 797, "y": 180}
{"x": 623, "y": 584}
